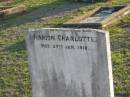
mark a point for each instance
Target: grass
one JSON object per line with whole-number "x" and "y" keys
{"x": 31, "y": 4}
{"x": 120, "y": 43}
{"x": 14, "y": 76}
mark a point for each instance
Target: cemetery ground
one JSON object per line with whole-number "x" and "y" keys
{"x": 14, "y": 73}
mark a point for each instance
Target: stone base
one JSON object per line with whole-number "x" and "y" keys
{"x": 93, "y": 20}
{"x": 6, "y": 11}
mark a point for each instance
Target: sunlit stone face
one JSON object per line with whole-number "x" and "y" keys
{"x": 69, "y": 63}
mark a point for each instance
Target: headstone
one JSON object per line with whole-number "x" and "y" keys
{"x": 70, "y": 62}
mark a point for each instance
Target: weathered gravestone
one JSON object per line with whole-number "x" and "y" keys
{"x": 99, "y": 18}
{"x": 70, "y": 62}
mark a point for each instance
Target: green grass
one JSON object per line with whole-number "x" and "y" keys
{"x": 120, "y": 43}
{"x": 31, "y": 4}
{"x": 14, "y": 76}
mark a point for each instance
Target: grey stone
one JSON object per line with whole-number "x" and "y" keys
{"x": 99, "y": 18}
{"x": 70, "y": 62}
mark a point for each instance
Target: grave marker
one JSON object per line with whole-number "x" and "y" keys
{"x": 70, "y": 62}
{"x": 99, "y": 18}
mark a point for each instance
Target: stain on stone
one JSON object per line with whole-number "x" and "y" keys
{"x": 31, "y": 38}
{"x": 56, "y": 86}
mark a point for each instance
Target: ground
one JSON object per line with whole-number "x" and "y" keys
{"x": 14, "y": 77}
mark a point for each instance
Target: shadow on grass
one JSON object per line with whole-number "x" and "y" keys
{"x": 16, "y": 47}
{"x": 56, "y": 8}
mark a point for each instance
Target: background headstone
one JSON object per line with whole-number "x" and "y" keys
{"x": 70, "y": 62}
